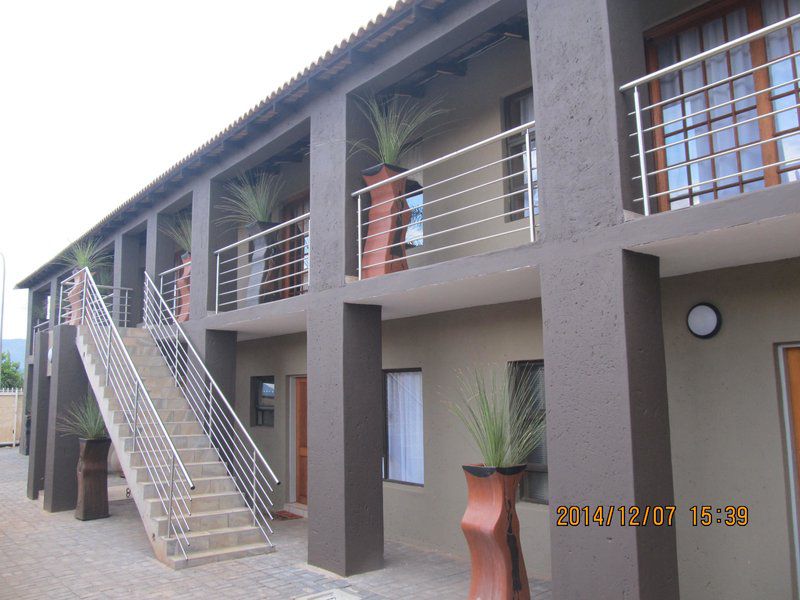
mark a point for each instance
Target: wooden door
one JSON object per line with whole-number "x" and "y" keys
{"x": 792, "y": 361}
{"x": 301, "y": 435}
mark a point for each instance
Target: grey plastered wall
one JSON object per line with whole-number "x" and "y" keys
{"x": 282, "y": 357}
{"x": 727, "y": 428}
{"x": 68, "y": 388}
{"x": 127, "y": 267}
{"x": 40, "y": 393}
{"x": 444, "y": 345}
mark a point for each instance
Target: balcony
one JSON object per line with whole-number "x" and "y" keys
{"x": 720, "y": 122}
{"x": 269, "y": 265}
{"x": 473, "y": 200}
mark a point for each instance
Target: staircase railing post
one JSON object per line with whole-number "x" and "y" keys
{"x": 253, "y": 497}
{"x": 108, "y": 348}
{"x": 171, "y": 491}
{"x": 135, "y": 416}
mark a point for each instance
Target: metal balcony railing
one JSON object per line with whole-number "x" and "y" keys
{"x": 87, "y": 307}
{"x": 271, "y": 265}
{"x": 244, "y": 461}
{"x": 719, "y": 123}
{"x": 69, "y": 291}
{"x": 479, "y": 198}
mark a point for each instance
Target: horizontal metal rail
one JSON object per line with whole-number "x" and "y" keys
{"x": 276, "y": 267}
{"x": 244, "y": 461}
{"x": 149, "y": 437}
{"x": 484, "y": 195}
{"x": 687, "y": 147}
{"x": 693, "y": 60}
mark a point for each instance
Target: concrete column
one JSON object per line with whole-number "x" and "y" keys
{"x": 158, "y": 250}
{"x": 68, "y": 387}
{"x": 126, "y": 274}
{"x": 55, "y": 301}
{"x": 333, "y": 219}
{"x": 581, "y": 124}
{"x": 607, "y": 423}
{"x": 218, "y": 349}
{"x": 40, "y": 393}
{"x": 207, "y": 236}
{"x": 345, "y": 437}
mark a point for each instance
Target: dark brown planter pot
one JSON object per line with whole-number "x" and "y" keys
{"x": 182, "y": 287}
{"x": 491, "y": 527}
{"x": 93, "y": 479}
{"x": 261, "y": 269}
{"x": 385, "y": 216}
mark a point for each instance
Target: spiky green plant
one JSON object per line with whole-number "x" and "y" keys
{"x": 505, "y": 418}
{"x": 87, "y": 254}
{"x": 84, "y": 420}
{"x": 398, "y": 123}
{"x": 179, "y": 230}
{"x": 251, "y": 198}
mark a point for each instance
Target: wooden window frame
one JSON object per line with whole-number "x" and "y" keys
{"x": 517, "y": 201}
{"x": 758, "y": 53}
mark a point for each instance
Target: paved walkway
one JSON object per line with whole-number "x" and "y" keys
{"x": 53, "y": 555}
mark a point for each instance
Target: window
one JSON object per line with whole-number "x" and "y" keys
{"x": 740, "y": 134}
{"x": 533, "y": 487}
{"x": 414, "y": 231}
{"x": 519, "y": 110}
{"x": 403, "y": 459}
{"x": 262, "y": 390}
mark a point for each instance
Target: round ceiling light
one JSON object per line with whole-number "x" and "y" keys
{"x": 704, "y": 320}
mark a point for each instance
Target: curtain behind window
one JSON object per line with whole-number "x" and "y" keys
{"x": 405, "y": 460}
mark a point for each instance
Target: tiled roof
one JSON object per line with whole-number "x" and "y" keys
{"x": 374, "y": 34}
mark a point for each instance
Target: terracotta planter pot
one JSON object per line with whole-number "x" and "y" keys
{"x": 379, "y": 238}
{"x": 260, "y": 268}
{"x": 92, "y": 480}
{"x": 182, "y": 288}
{"x": 75, "y": 297}
{"x": 491, "y": 527}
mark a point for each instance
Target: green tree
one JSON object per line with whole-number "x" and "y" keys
{"x": 10, "y": 375}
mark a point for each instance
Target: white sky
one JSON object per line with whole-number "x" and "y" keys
{"x": 99, "y": 98}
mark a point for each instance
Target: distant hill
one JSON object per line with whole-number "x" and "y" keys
{"x": 17, "y": 350}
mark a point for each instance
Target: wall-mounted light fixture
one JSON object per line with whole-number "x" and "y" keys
{"x": 704, "y": 320}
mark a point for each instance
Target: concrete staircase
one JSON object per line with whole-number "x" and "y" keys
{"x": 221, "y": 524}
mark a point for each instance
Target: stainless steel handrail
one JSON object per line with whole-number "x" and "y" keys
{"x": 477, "y": 201}
{"x": 235, "y": 292}
{"x": 688, "y": 62}
{"x": 495, "y": 138}
{"x": 694, "y": 189}
{"x": 246, "y": 465}
{"x": 159, "y": 455}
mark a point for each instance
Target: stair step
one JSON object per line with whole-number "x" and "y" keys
{"x": 204, "y": 557}
{"x": 202, "y": 503}
{"x": 179, "y": 441}
{"x": 212, "y": 519}
{"x": 202, "y": 485}
{"x": 218, "y": 539}
{"x": 173, "y": 428}
{"x": 196, "y": 470}
{"x": 188, "y": 455}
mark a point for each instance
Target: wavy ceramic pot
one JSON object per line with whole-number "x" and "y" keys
{"x": 75, "y": 297}
{"x": 383, "y": 250}
{"x": 491, "y": 527}
{"x": 92, "y": 479}
{"x": 183, "y": 288}
{"x": 260, "y": 268}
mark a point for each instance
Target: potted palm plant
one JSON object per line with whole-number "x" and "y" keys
{"x": 251, "y": 201}
{"x": 85, "y": 421}
{"x": 179, "y": 230}
{"x": 89, "y": 255}
{"x": 397, "y": 123}
{"x": 506, "y": 422}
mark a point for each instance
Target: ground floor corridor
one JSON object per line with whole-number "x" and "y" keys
{"x": 53, "y": 555}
